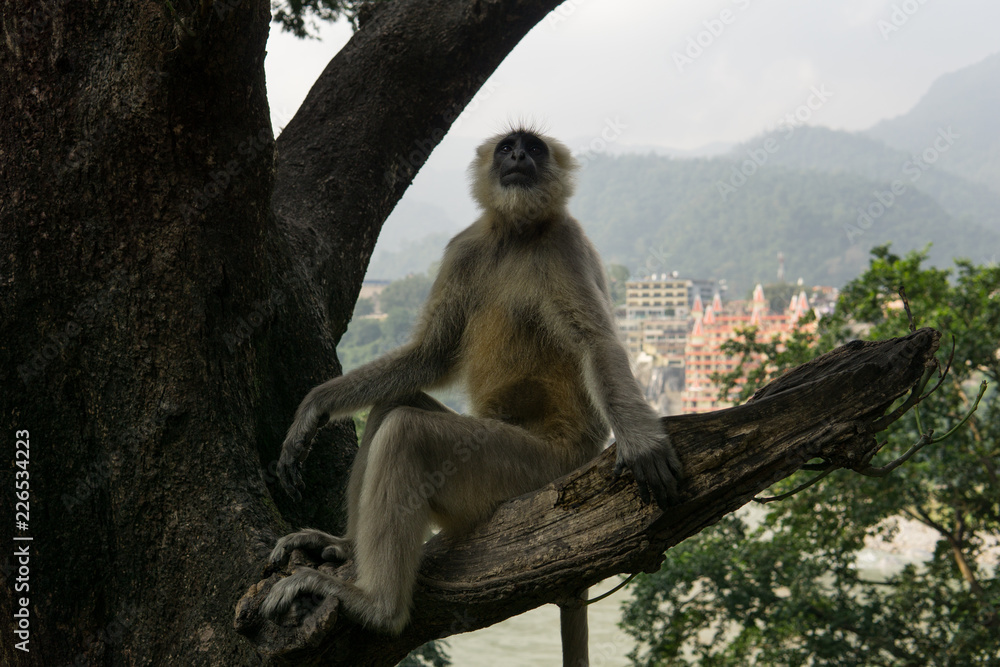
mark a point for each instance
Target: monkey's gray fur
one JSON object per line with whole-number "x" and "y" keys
{"x": 520, "y": 314}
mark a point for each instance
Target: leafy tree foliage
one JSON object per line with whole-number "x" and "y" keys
{"x": 364, "y": 306}
{"x": 759, "y": 361}
{"x": 618, "y": 275}
{"x": 300, "y": 17}
{"x": 785, "y": 586}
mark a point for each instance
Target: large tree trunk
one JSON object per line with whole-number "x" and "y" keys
{"x": 172, "y": 283}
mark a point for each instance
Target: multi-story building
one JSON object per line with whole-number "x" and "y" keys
{"x": 657, "y": 318}
{"x": 658, "y": 297}
{"x": 665, "y": 325}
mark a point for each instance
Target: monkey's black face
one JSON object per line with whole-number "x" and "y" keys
{"x": 519, "y": 159}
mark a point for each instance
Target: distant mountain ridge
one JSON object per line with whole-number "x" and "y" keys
{"x": 968, "y": 101}
{"x": 658, "y": 215}
{"x": 829, "y": 150}
{"x": 820, "y": 197}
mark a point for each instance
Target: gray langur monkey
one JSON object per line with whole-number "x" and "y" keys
{"x": 520, "y": 314}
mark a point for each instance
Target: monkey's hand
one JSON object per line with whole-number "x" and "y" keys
{"x": 654, "y": 464}
{"x": 295, "y": 450}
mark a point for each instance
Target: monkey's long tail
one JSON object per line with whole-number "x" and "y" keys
{"x": 573, "y": 628}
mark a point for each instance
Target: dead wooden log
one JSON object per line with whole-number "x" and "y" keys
{"x": 588, "y": 526}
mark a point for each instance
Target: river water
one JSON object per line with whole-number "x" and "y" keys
{"x": 532, "y": 639}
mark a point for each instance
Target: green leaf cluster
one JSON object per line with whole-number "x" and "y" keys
{"x": 301, "y": 17}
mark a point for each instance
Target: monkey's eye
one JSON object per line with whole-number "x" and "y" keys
{"x": 505, "y": 148}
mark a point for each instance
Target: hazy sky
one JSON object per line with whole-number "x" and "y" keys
{"x": 751, "y": 63}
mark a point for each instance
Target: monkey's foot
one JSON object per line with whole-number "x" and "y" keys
{"x": 312, "y": 584}
{"x": 330, "y": 547}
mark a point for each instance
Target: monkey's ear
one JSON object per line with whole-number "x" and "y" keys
{"x": 480, "y": 183}
{"x": 562, "y": 167}
{"x": 562, "y": 157}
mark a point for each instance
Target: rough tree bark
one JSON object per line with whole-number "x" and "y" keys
{"x": 172, "y": 283}
{"x": 588, "y": 526}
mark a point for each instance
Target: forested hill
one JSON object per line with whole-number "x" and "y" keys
{"x": 832, "y": 151}
{"x": 969, "y": 102}
{"x": 929, "y": 176}
{"x": 702, "y": 218}
{"x": 821, "y": 197}
{"x": 657, "y": 214}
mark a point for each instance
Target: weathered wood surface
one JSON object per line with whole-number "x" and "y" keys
{"x": 588, "y": 526}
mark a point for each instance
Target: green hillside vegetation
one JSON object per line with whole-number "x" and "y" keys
{"x": 654, "y": 214}
{"x": 803, "y": 196}
{"x": 367, "y": 338}
{"x": 416, "y": 257}
{"x": 829, "y": 150}
{"x": 657, "y": 214}
{"x": 968, "y": 101}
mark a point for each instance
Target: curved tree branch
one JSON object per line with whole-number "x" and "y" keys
{"x": 371, "y": 120}
{"x": 587, "y": 526}
{"x": 367, "y": 125}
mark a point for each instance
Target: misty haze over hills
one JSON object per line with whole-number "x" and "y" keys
{"x": 968, "y": 100}
{"x": 821, "y": 197}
